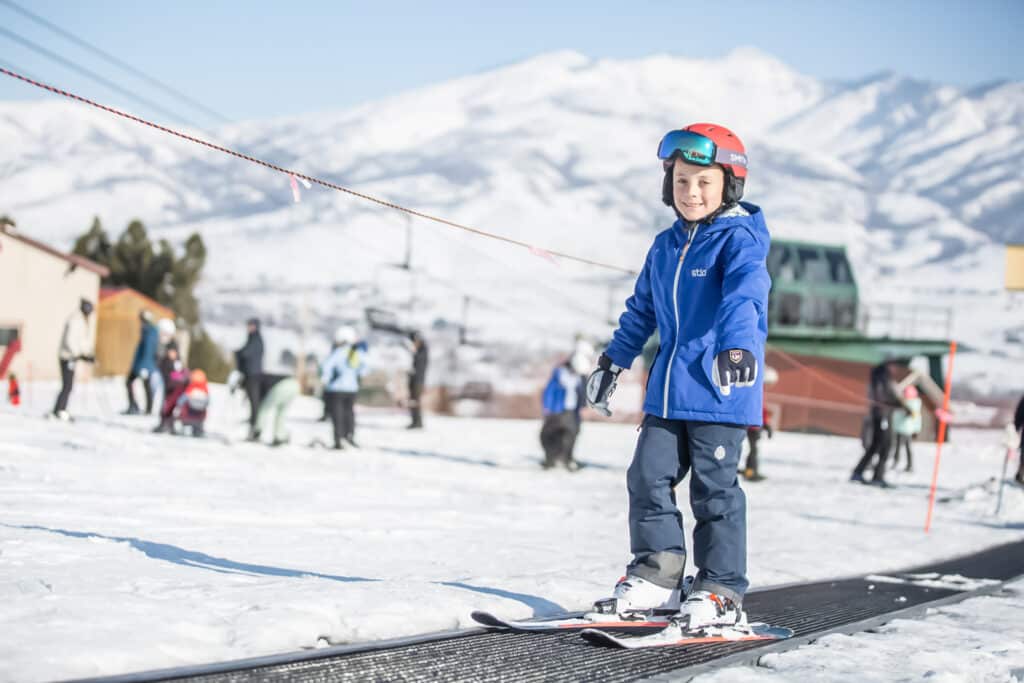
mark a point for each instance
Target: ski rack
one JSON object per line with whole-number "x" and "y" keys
{"x": 812, "y": 610}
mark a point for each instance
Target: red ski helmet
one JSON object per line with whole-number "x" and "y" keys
{"x": 705, "y": 144}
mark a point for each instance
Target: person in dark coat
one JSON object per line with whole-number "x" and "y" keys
{"x": 143, "y": 363}
{"x": 417, "y": 379}
{"x": 884, "y": 395}
{"x": 249, "y": 362}
{"x": 1018, "y": 423}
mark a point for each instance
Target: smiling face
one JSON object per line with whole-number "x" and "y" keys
{"x": 697, "y": 190}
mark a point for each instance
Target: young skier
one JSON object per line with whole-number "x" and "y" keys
{"x": 704, "y": 286}
{"x": 175, "y": 376}
{"x": 193, "y": 403}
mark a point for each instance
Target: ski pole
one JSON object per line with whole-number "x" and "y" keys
{"x": 1011, "y": 442}
{"x": 943, "y": 421}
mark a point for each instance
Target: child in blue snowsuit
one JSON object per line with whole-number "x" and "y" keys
{"x": 704, "y": 286}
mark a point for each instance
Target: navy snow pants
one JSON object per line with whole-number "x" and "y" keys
{"x": 666, "y": 451}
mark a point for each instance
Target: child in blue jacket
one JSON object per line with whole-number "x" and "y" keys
{"x": 704, "y": 287}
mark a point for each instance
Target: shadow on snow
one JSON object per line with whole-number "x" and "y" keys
{"x": 191, "y": 558}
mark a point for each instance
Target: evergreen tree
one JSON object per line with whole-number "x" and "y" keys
{"x": 6, "y": 221}
{"x": 184, "y": 277}
{"x": 95, "y": 245}
{"x": 162, "y": 275}
{"x": 132, "y": 259}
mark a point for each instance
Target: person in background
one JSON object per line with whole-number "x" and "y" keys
{"x": 1018, "y": 423}
{"x": 278, "y": 392}
{"x": 417, "y": 379}
{"x": 166, "y": 329}
{"x": 340, "y": 376}
{"x": 906, "y": 425}
{"x": 750, "y": 471}
{"x": 562, "y": 400}
{"x": 884, "y": 395}
{"x": 143, "y": 363}
{"x": 75, "y": 345}
{"x": 193, "y": 402}
{"x": 249, "y": 362}
{"x": 13, "y": 390}
{"x": 175, "y": 376}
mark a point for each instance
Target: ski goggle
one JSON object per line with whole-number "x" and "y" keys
{"x": 694, "y": 148}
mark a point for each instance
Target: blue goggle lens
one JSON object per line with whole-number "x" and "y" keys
{"x": 691, "y": 147}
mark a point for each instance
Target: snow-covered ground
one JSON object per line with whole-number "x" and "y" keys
{"x": 980, "y": 640}
{"x": 121, "y": 550}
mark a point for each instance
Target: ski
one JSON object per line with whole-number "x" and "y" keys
{"x": 578, "y": 620}
{"x": 673, "y": 634}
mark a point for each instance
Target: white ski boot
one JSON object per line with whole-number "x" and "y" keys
{"x": 633, "y": 594}
{"x": 703, "y": 610}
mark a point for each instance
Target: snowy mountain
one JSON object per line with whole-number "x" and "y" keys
{"x": 921, "y": 181}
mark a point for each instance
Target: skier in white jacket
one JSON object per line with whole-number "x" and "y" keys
{"x": 75, "y": 345}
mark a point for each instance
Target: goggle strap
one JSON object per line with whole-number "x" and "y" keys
{"x": 730, "y": 156}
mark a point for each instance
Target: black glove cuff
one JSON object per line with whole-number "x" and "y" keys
{"x": 605, "y": 363}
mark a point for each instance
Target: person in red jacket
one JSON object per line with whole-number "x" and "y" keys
{"x": 192, "y": 403}
{"x": 13, "y": 391}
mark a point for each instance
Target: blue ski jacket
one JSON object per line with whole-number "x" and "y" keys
{"x": 564, "y": 391}
{"x": 145, "y": 352}
{"x": 706, "y": 290}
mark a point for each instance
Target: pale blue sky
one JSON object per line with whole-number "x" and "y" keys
{"x": 259, "y": 59}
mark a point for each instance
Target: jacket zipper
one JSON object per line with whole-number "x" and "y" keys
{"x": 675, "y": 306}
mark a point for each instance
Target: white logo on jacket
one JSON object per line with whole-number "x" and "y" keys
{"x": 699, "y": 272}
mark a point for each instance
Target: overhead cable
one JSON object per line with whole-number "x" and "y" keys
{"x": 117, "y": 62}
{"x": 312, "y": 179}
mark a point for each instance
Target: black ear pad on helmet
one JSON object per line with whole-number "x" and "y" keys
{"x": 666, "y": 188}
{"x": 733, "y": 191}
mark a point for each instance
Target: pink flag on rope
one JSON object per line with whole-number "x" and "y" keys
{"x": 546, "y": 255}
{"x": 295, "y": 188}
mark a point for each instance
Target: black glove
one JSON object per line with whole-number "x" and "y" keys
{"x": 87, "y": 359}
{"x": 601, "y": 384}
{"x": 768, "y": 431}
{"x": 735, "y": 367}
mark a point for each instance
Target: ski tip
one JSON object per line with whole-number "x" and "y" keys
{"x": 486, "y": 619}
{"x": 776, "y": 632}
{"x": 597, "y": 637}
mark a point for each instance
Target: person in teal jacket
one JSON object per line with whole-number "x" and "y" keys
{"x": 704, "y": 288}
{"x": 143, "y": 363}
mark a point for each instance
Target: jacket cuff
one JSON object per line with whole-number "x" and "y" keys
{"x": 619, "y": 358}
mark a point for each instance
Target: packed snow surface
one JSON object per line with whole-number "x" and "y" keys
{"x": 122, "y": 550}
